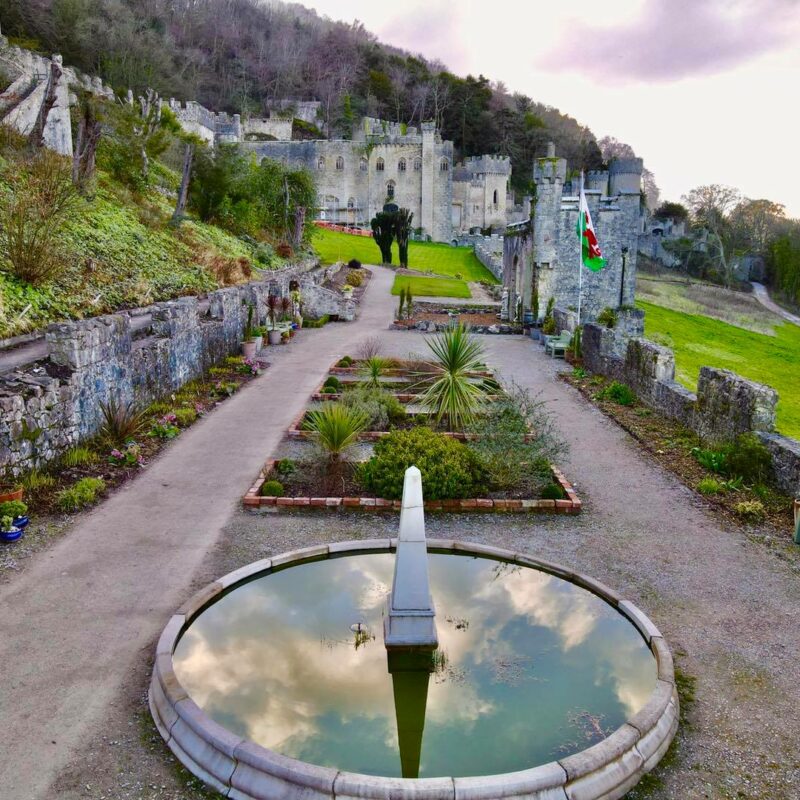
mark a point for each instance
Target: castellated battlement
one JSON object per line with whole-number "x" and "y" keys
{"x": 488, "y": 165}
{"x": 550, "y": 170}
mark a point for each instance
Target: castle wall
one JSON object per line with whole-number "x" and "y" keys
{"x": 281, "y": 129}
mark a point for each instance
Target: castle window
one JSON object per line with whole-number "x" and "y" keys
{"x": 340, "y": 166}
{"x": 444, "y": 165}
{"x": 494, "y": 200}
{"x": 321, "y": 162}
{"x": 417, "y": 164}
{"x": 363, "y": 164}
{"x": 351, "y": 203}
{"x": 401, "y": 165}
{"x": 380, "y": 165}
{"x": 390, "y": 190}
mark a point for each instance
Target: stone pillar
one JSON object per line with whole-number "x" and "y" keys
{"x": 549, "y": 175}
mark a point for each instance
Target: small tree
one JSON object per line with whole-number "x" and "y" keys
{"x": 33, "y": 214}
{"x": 403, "y": 220}
{"x": 383, "y": 232}
{"x": 183, "y": 191}
{"x": 84, "y": 156}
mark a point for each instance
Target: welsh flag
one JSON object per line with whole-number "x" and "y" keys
{"x": 590, "y": 248}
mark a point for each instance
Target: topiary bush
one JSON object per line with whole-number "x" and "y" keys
{"x": 552, "y": 491}
{"x": 333, "y": 382}
{"x": 345, "y": 361}
{"x": 449, "y": 469}
{"x": 354, "y": 279}
{"x": 272, "y": 489}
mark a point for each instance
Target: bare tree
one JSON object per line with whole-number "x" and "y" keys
{"x": 183, "y": 191}
{"x": 87, "y": 140}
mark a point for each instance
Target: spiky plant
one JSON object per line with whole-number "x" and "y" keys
{"x": 286, "y": 307}
{"x": 374, "y": 367}
{"x": 335, "y": 429}
{"x": 121, "y": 422}
{"x": 451, "y": 394}
{"x": 273, "y": 306}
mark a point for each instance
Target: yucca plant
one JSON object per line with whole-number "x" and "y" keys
{"x": 452, "y": 395}
{"x": 335, "y": 429}
{"x": 121, "y": 422}
{"x": 374, "y": 367}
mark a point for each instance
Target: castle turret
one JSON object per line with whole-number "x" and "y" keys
{"x": 429, "y": 168}
{"x": 625, "y": 175}
{"x": 596, "y": 181}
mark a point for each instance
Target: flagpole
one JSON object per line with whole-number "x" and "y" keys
{"x": 580, "y": 249}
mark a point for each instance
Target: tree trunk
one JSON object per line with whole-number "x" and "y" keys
{"x": 37, "y": 134}
{"x": 183, "y": 192}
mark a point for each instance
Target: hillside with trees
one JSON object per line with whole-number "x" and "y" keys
{"x": 241, "y": 56}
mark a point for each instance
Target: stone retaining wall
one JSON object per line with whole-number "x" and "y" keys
{"x": 96, "y": 360}
{"x": 724, "y": 405}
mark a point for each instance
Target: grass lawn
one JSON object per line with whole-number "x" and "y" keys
{"x": 699, "y": 341}
{"x": 431, "y": 287}
{"x": 443, "y": 259}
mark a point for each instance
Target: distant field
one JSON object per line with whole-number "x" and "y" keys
{"x": 737, "y": 308}
{"x": 431, "y": 287}
{"x": 699, "y": 341}
{"x": 443, "y": 259}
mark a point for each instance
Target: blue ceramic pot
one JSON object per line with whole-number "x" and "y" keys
{"x": 12, "y": 535}
{"x": 21, "y": 522}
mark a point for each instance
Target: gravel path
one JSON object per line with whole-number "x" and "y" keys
{"x": 762, "y": 295}
{"x": 726, "y": 604}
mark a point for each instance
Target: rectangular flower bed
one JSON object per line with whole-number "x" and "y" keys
{"x": 571, "y": 504}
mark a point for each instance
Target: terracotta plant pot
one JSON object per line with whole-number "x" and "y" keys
{"x": 249, "y": 349}
{"x": 7, "y": 496}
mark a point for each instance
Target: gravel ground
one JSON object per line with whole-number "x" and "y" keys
{"x": 725, "y": 602}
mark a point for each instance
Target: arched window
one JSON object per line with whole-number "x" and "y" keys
{"x": 390, "y": 190}
{"x": 401, "y": 165}
{"x": 380, "y": 165}
{"x": 494, "y": 197}
{"x": 417, "y": 164}
{"x": 340, "y": 166}
{"x": 444, "y": 165}
{"x": 351, "y": 203}
{"x": 321, "y": 162}
{"x": 363, "y": 165}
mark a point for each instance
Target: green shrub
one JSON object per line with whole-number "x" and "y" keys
{"x": 618, "y": 393}
{"x": 607, "y": 317}
{"x": 748, "y": 458}
{"x": 552, "y": 491}
{"x": 345, "y": 361}
{"x": 333, "y": 382}
{"x": 81, "y": 494}
{"x": 515, "y": 441}
{"x": 579, "y": 373}
{"x": 328, "y": 390}
{"x": 316, "y": 323}
{"x": 709, "y": 486}
{"x": 712, "y": 460}
{"x": 79, "y": 457}
{"x": 381, "y": 408}
{"x": 549, "y": 326}
{"x": 750, "y": 510}
{"x": 272, "y": 489}
{"x": 13, "y": 509}
{"x": 285, "y": 466}
{"x": 450, "y": 470}
{"x": 354, "y": 279}
{"x": 354, "y": 263}
{"x": 185, "y": 416}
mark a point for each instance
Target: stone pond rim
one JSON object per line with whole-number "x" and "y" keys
{"x": 243, "y": 770}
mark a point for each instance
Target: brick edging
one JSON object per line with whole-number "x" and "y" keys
{"x": 572, "y": 505}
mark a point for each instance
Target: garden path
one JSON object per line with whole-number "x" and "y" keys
{"x": 75, "y": 619}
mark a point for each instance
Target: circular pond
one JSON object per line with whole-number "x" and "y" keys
{"x": 285, "y": 670}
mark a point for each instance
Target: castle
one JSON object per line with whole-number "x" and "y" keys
{"x": 382, "y": 162}
{"x": 542, "y": 252}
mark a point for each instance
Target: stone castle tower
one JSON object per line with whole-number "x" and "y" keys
{"x": 544, "y": 251}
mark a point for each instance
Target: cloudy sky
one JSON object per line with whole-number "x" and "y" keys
{"x": 704, "y": 90}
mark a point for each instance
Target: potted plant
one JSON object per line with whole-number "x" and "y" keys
{"x": 18, "y": 512}
{"x": 9, "y": 532}
{"x": 258, "y": 337}
{"x": 249, "y": 342}
{"x": 273, "y": 306}
{"x": 297, "y": 306}
{"x": 10, "y": 489}
{"x": 286, "y": 309}
{"x": 285, "y": 336}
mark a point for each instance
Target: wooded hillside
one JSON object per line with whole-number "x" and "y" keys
{"x": 239, "y": 55}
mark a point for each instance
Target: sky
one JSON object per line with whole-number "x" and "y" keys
{"x": 704, "y": 90}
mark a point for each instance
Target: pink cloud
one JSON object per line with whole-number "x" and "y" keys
{"x": 674, "y": 39}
